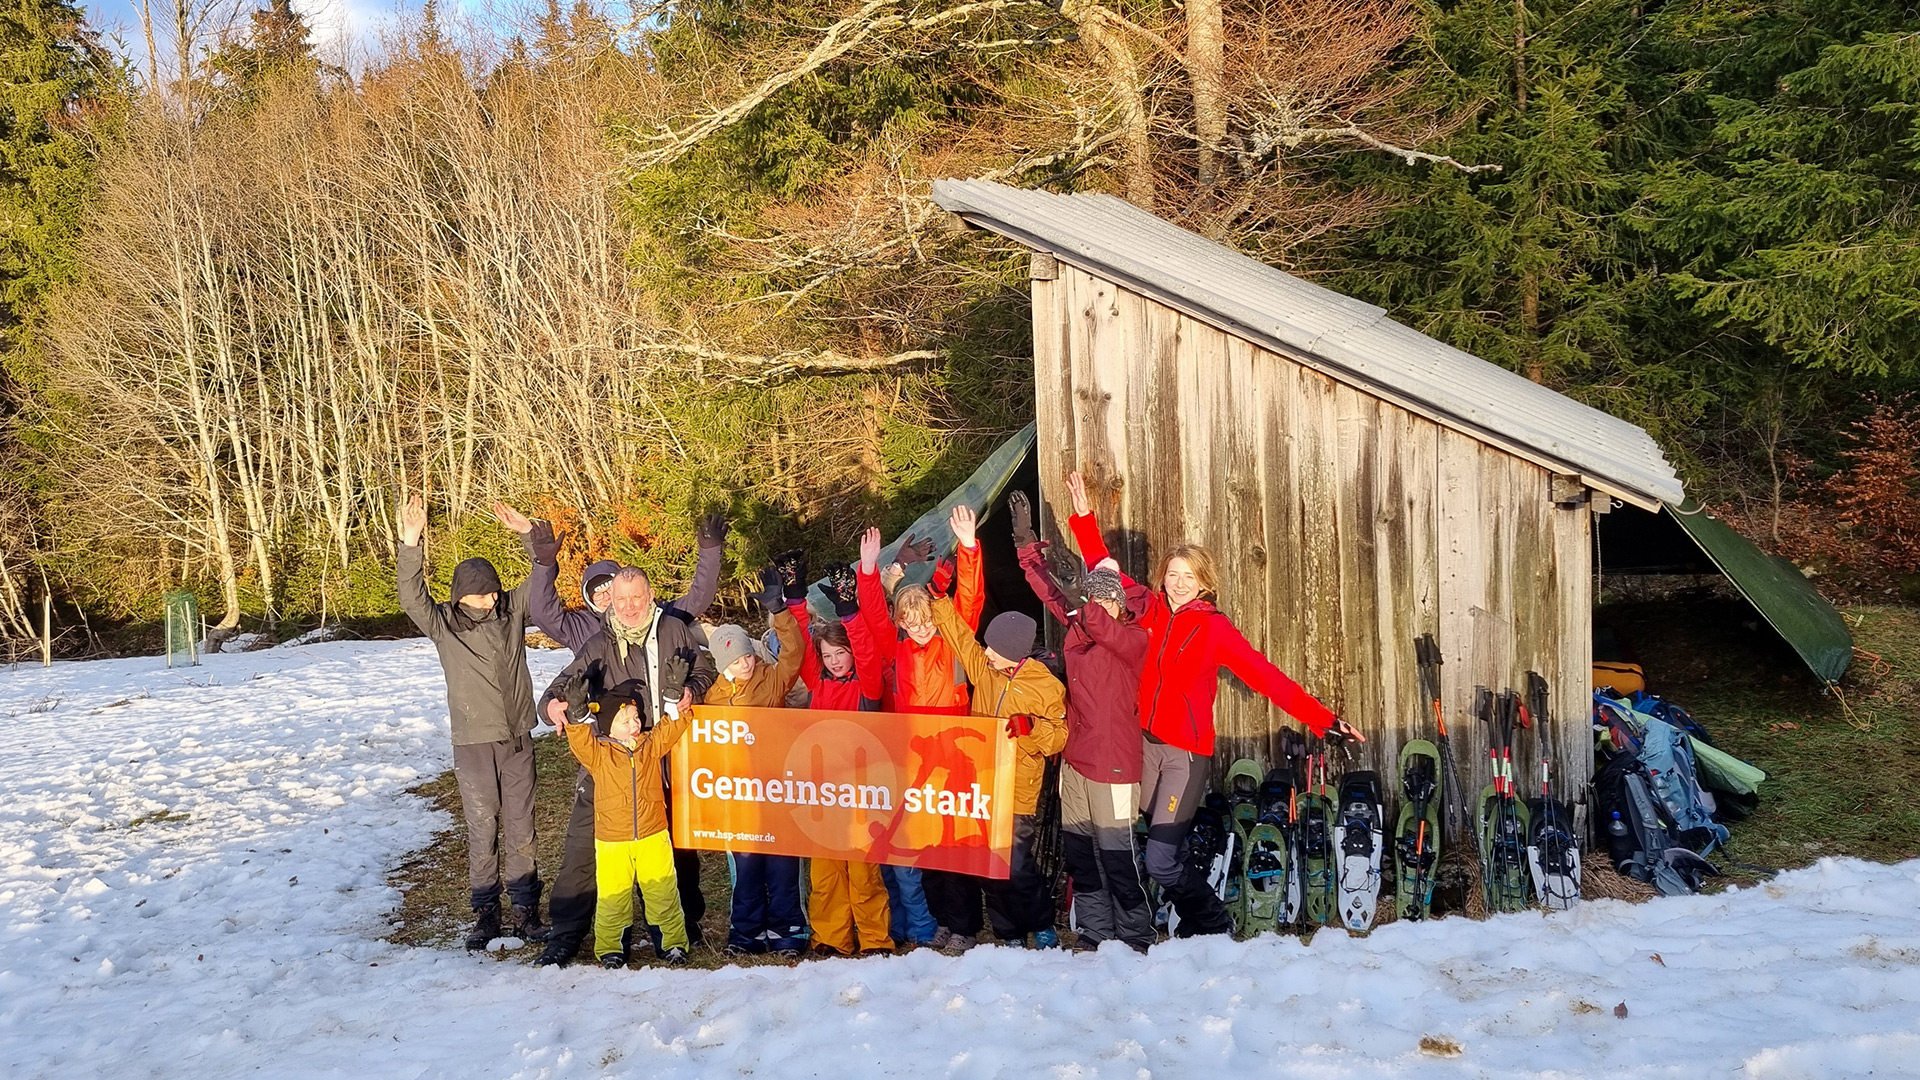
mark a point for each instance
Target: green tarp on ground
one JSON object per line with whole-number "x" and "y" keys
{"x": 1777, "y": 589}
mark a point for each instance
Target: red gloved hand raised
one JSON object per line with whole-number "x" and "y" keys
{"x": 1018, "y": 725}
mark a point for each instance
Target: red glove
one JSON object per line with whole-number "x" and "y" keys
{"x": 943, "y": 574}
{"x": 1019, "y": 724}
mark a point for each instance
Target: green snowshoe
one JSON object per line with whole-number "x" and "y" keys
{"x": 1504, "y": 827}
{"x": 1416, "y": 835}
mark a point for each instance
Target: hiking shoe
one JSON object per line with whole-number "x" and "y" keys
{"x": 557, "y": 953}
{"x": 824, "y": 951}
{"x": 526, "y": 923}
{"x": 957, "y": 944}
{"x": 676, "y": 956}
{"x": 940, "y": 939}
{"x": 614, "y": 961}
{"x": 736, "y": 952}
{"x": 1046, "y": 939}
{"x": 486, "y": 927}
{"x": 876, "y": 951}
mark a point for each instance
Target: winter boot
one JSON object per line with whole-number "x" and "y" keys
{"x": 613, "y": 961}
{"x": 1046, "y": 939}
{"x": 526, "y": 923}
{"x": 486, "y": 926}
{"x": 557, "y": 953}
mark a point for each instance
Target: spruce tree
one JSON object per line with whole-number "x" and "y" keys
{"x": 53, "y": 72}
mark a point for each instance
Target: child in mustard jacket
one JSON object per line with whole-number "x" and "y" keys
{"x": 630, "y": 838}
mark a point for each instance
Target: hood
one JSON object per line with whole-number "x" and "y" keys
{"x": 474, "y": 576}
{"x": 604, "y": 568}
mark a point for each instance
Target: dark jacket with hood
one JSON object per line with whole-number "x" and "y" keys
{"x": 1104, "y": 657}
{"x": 610, "y": 662}
{"x": 573, "y": 627}
{"x": 489, "y": 690}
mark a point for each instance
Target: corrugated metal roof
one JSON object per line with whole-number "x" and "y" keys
{"x": 1349, "y": 340}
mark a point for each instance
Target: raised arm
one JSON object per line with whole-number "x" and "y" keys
{"x": 541, "y": 590}
{"x": 1129, "y": 643}
{"x": 1033, "y": 563}
{"x": 661, "y": 739}
{"x": 411, "y": 567}
{"x": 960, "y": 638}
{"x": 793, "y": 645}
{"x": 1235, "y": 653}
{"x": 712, "y": 533}
{"x": 970, "y": 591}
{"x": 1086, "y": 530}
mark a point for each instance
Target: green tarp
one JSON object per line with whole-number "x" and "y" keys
{"x": 979, "y": 492}
{"x": 1777, "y": 589}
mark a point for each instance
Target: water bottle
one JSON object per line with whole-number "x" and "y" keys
{"x": 1619, "y": 831}
{"x": 1617, "y": 827}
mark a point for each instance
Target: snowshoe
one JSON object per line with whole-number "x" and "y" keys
{"x": 1503, "y": 825}
{"x": 1416, "y": 832}
{"x": 1362, "y": 842}
{"x": 1212, "y": 855}
{"x": 1278, "y": 807}
{"x": 1243, "y": 793}
{"x": 1553, "y": 857}
{"x": 1318, "y": 860}
{"x": 1264, "y": 887}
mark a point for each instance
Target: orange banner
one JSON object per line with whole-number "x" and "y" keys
{"x": 929, "y": 791}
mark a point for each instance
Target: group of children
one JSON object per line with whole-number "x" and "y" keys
{"x": 1127, "y": 705}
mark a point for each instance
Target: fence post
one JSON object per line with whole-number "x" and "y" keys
{"x": 46, "y": 631}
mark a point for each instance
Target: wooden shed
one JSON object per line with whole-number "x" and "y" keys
{"x": 1360, "y": 483}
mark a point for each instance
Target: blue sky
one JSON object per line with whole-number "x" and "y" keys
{"x": 338, "y": 24}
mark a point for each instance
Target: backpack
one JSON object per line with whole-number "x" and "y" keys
{"x": 1641, "y": 844}
{"x": 1667, "y": 753}
{"x": 1662, "y": 709}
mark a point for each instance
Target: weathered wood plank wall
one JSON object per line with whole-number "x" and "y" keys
{"x": 1344, "y": 526}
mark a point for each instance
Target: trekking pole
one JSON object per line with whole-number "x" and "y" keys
{"x": 1483, "y": 711}
{"x": 1454, "y": 799}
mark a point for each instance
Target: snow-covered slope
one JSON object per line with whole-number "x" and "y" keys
{"x": 192, "y": 869}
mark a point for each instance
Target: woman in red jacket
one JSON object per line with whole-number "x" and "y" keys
{"x": 1189, "y": 641}
{"x": 842, "y": 669}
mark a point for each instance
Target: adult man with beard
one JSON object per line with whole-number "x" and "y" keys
{"x": 571, "y": 904}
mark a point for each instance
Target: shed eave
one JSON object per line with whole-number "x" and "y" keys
{"x": 1650, "y": 501}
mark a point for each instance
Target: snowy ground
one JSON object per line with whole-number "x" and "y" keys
{"x": 192, "y": 883}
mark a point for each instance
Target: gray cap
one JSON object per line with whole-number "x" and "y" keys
{"x": 1011, "y": 634}
{"x": 727, "y": 644}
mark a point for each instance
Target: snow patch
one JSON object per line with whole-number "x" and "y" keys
{"x": 193, "y": 883}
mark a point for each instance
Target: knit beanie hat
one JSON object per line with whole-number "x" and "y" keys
{"x": 1011, "y": 635}
{"x": 1104, "y": 584}
{"x": 475, "y": 576}
{"x": 596, "y": 575}
{"x": 727, "y": 644}
{"x": 608, "y": 705}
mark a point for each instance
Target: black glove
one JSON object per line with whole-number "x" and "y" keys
{"x": 842, "y": 588}
{"x": 1020, "y": 508}
{"x": 792, "y": 566}
{"x": 674, "y": 670}
{"x": 541, "y": 544}
{"x": 1068, "y": 573}
{"x": 772, "y": 595}
{"x": 711, "y": 530}
{"x": 914, "y": 551}
{"x": 576, "y": 693}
